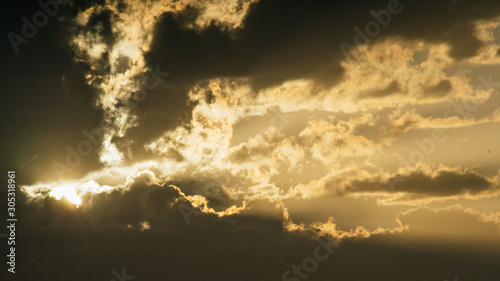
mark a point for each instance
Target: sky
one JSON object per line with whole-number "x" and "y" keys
{"x": 251, "y": 139}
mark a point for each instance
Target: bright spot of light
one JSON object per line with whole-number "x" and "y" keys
{"x": 68, "y": 192}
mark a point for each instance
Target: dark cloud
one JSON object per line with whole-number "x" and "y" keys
{"x": 440, "y": 89}
{"x": 212, "y": 189}
{"x": 393, "y": 88}
{"x": 108, "y": 228}
{"x": 420, "y": 184}
{"x": 284, "y": 40}
{"x": 163, "y": 109}
{"x": 59, "y": 240}
{"x": 161, "y": 206}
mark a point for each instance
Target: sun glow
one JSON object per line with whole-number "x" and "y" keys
{"x": 68, "y": 192}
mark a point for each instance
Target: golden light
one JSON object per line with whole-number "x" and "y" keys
{"x": 68, "y": 192}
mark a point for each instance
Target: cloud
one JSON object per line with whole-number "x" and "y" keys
{"x": 334, "y": 144}
{"x": 113, "y": 39}
{"x": 422, "y": 186}
{"x": 145, "y": 203}
{"x": 391, "y": 89}
{"x": 295, "y": 37}
{"x": 440, "y": 89}
{"x": 458, "y": 116}
{"x": 271, "y": 149}
{"x": 414, "y": 186}
{"x": 125, "y": 227}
